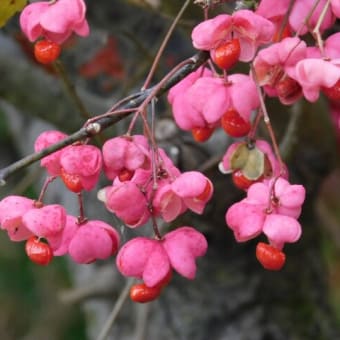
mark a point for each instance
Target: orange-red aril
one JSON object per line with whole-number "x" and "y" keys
{"x": 227, "y": 54}
{"x": 234, "y": 125}
{"x": 241, "y": 181}
{"x": 270, "y": 257}
{"x": 201, "y": 134}
{"x": 142, "y": 293}
{"x": 46, "y": 51}
{"x": 38, "y": 252}
{"x": 71, "y": 181}
{"x": 333, "y": 93}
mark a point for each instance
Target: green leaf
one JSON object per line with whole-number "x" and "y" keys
{"x": 8, "y": 8}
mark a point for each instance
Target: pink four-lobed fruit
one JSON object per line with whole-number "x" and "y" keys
{"x": 151, "y": 260}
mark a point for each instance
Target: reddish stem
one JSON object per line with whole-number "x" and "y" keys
{"x": 158, "y": 235}
{"x": 252, "y": 132}
{"x": 81, "y": 218}
{"x": 47, "y": 182}
{"x": 316, "y": 31}
{"x": 153, "y": 94}
{"x": 267, "y": 120}
{"x": 206, "y": 12}
{"x": 108, "y": 114}
{"x": 154, "y": 161}
{"x": 272, "y": 199}
{"x": 163, "y": 45}
{"x": 306, "y": 21}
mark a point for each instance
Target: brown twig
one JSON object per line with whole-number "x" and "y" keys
{"x": 115, "y": 311}
{"x": 93, "y": 129}
{"x": 163, "y": 45}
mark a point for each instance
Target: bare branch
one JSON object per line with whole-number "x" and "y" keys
{"x": 103, "y": 123}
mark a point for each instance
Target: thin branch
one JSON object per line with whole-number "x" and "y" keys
{"x": 316, "y": 31}
{"x": 103, "y": 123}
{"x": 286, "y": 18}
{"x": 307, "y": 18}
{"x": 115, "y": 311}
{"x": 163, "y": 45}
{"x": 142, "y": 317}
{"x": 70, "y": 89}
{"x": 266, "y": 119}
{"x": 153, "y": 94}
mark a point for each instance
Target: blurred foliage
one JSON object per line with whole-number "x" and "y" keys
{"x": 28, "y": 293}
{"x": 328, "y": 207}
{"x": 29, "y": 306}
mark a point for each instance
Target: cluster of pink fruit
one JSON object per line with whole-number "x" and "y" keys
{"x": 53, "y": 22}
{"x": 272, "y": 205}
{"x": 146, "y": 185}
{"x": 282, "y": 66}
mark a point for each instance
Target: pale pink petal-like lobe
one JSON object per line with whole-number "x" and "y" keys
{"x": 92, "y": 241}
{"x": 12, "y": 208}
{"x": 156, "y": 267}
{"x": 281, "y": 229}
{"x": 244, "y": 105}
{"x": 246, "y": 220}
{"x": 54, "y": 21}
{"x": 167, "y": 203}
{"x": 30, "y": 19}
{"x": 60, "y": 243}
{"x": 128, "y": 203}
{"x": 133, "y": 256}
{"x": 52, "y": 161}
{"x": 303, "y": 8}
{"x": 312, "y": 74}
{"x": 335, "y": 6}
{"x": 47, "y": 221}
{"x": 84, "y": 161}
{"x": 207, "y": 34}
{"x": 183, "y": 246}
